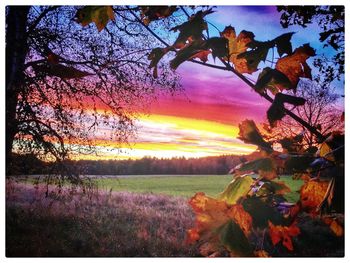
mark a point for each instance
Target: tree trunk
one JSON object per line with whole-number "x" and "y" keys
{"x": 16, "y": 50}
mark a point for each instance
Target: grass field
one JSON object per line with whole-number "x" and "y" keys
{"x": 184, "y": 186}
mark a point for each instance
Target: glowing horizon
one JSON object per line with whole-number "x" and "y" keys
{"x": 163, "y": 136}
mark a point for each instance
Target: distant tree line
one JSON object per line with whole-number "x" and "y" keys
{"x": 29, "y": 164}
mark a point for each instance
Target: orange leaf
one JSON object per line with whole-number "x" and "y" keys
{"x": 334, "y": 225}
{"x": 261, "y": 254}
{"x": 210, "y": 212}
{"x": 236, "y": 46}
{"x": 241, "y": 217}
{"x": 294, "y": 66}
{"x": 312, "y": 194}
{"x": 213, "y": 217}
{"x": 284, "y": 234}
{"x": 192, "y": 235}
{"x": 337, "y": 229}
{"x": 202, "y": 55}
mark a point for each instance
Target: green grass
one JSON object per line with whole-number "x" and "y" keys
{"x": 171, "y": 185}
{"x": 184, "y": 186}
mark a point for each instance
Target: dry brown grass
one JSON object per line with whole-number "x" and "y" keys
{"x": 68, "y": 222}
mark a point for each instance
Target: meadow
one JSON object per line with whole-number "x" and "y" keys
{"x": 127, "y": 216}
{"x": 184, "y": 186}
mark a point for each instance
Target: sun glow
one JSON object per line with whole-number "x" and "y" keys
{"x": 165, "y": 136}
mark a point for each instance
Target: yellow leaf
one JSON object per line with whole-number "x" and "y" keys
{"x": 325, "y": 152}
{"x": 236, "y": 46}
{"x": 312, "y": 194}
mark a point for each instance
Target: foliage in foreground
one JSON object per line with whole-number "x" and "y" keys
{"x": 236, "y": 223}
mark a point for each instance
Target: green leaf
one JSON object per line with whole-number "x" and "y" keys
{"x": 273, "y": 80}
{"x": 234, "y": 240}
{"x": 249, "y": 133}
{"x": 100, "y": 15}
{"x": 236, "y": 189}
{"x": 262, "y": 212}
{"x": 283, "y": 44}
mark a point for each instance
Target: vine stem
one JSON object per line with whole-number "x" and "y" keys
{"x": 228, "y": 67}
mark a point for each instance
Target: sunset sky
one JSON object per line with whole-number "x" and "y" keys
{"x": 203, "y": 119}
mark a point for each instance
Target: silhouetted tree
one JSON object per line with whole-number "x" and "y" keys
{"x": 320, "y": 110}
{"x": 63, "y": 82}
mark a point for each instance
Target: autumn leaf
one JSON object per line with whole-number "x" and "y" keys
{"x": 265, "y": 167}
{"x": 283, "y": 233}
{"x": 257, "y": 53}
{"x": 200, "y": 49}
{"x": 100, "y": 15}
{"x": 262, "y": 211}
{"x": 326, "y": 152}
{"x": 283, "y": 44}
{"x": 335, "y": 225}
{"x": 192, "y": 236}
{"x": 194, "y": 49}
{"x": 336, "y": 228}
{"x": 61, "y": 71}
{"x": 332, "y": 148}
{"x": 292, "y": 144}
{"x": 261, "y": 254}
{"x": 294, "y": 66}
{"x": 192, "y": 29}
{"x": 211, "y": 248}
{"x": 155, "y": 56}
{"x": 312, "y": 193}
{"x": 234, "y": 240}
{"x": 258, "y": 50}
{"x": 273, "y": 80}
{"x": 276, "y": 110}
{"x": 241, "y": 217}
{"x": 218, "y": 46}
{"x": 210, "y": 212}
{"x": 236, "y": 189}
{"x": 275, "y": 187}
{"x": 249, "y": 133}
{"x": 216, "y": 222}
{"x": 237, "y": 45}
{"x": 153, "y": 13}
